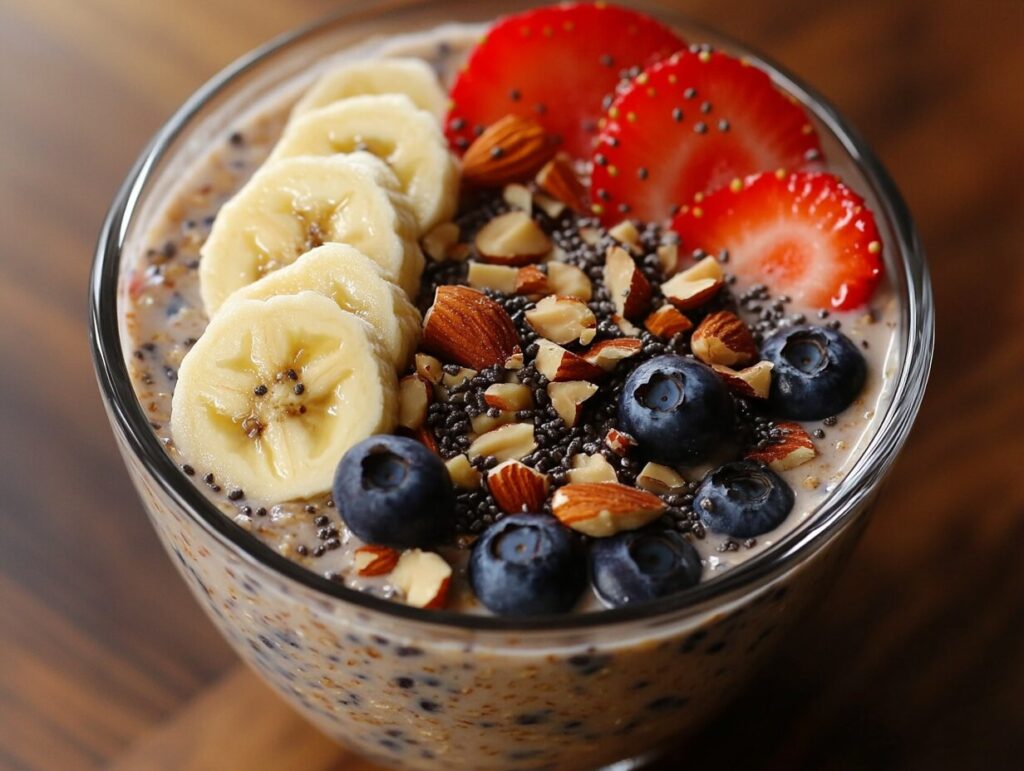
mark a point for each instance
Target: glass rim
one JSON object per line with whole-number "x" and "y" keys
{"x": 839, "y": 508}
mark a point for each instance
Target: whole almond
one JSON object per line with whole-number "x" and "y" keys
{"x": 511, "y": 149}
{"x": 466, "y": 327}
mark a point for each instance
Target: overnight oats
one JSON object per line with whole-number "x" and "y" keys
{"x": 547, "y": 317}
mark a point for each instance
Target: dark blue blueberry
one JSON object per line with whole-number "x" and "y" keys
{"x": 818, "y": 372}
{"x": 743, "y": 499}
{"x": 392, "y": 490}
{"x": 642, "y": 565}
{"x": 676, "y": 408}
{"x": 527, "y": 564}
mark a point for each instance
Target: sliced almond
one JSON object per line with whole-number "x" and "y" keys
{"x": 429, "y": 368}
{"x": 667, "y": 322}
{"x": 516, "y": 487}
{"x": 628, "y": 286}
{"x": 723, "y": 338}
{"x": 604, "y": 509}
{"x": 457, "y": 378}
{"x": 423, "y": 578}
{"x": 483, "y": 423}
{"x": 439, "y": 241}
{"x": 793, "y": 448}
{"x": 518, "y": 197}
{"x": 591, "y": 468}
{"x": 563, "y": 320}
{"x": 466, "y": 327}
{"x": 531, "y": 280}
{"x": 557, "y": 364}
{"x": 515, "y": 361}
{"x": 607, "y": 354}
{"x": 626, "y": 233}
{"x": 626, "y": 326}
{"x": 668, "y": 258}
{"x": 755, "y": 381}
{"x": 659, "y": 479}
{"x": 509, "y": 396}
{"x": 695, "y": 285}
{"x": 500, "y": 278}
{"x": 569, "y": 281}
{"x": 549, "y": 205}
{"x": 463, "y": 474}
{"x": 558, "y": 179}
{"x": 567, "y": 398}
{"x": 375, "y": 560}
{"x": 509, "y": 150}
{"x": 414, "y": 396}
{"x": 619, "y": 442}
{"x": 510, "y": 442}
{"x": 512, "y": 238}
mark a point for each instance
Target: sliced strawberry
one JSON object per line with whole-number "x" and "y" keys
{"x": 555, "y": 65}
{"x": 689, "y": 125}
{"x": 803, "y": 234}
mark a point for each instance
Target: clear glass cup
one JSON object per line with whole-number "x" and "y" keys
{"x": 432, "y": 690}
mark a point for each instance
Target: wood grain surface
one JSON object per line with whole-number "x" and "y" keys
{"x": 916, "y": 659}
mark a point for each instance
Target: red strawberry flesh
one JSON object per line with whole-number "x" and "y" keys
{"x": 689, "y": 125}
{"x": 803, "y": 234}
{"x": 555, "y": 65}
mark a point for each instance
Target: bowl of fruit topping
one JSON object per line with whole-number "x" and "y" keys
{"x": 505, "y": 380}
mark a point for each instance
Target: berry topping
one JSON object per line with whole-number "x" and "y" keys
{"x": 689, "y": 125}
{"x": 641, "y": 565}
{"x": 527, "y": 564}
{"x": 678, "y": 409}
{"x": 393, "y": 491}
{"x": 818, "y": 372}
{"x": 743, "y": 499}
{"x": 806, "y": 235}
{"x": 554, "y": 65}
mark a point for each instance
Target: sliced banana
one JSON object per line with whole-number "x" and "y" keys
{"x": 296, "y": 204}
{"x": 355, "y": 283}
{"x": 412, "y": 77}
{"x": 391, "y": 127}
{"x": 277, "y": 390}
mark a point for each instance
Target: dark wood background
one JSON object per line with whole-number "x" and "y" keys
{"x": 915, "y": 661}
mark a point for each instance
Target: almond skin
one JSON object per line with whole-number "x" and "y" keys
{"x": 510, "y": 150}
{"x": 516, "y": 487}
{"x": 559, "y": 180}
{"x": 375, "y": 560}
{"x": 667, "y": 322}
{"x": 602, "y": 509}
{"x": 755, "y": 381}
{"x": 466, "y": 327}
{"x": 628, "y": 286}
{"x": 531, "y": 280}
{"x": 723, "y": 338}
{"x": 792, "y": 449}
{"x": 608, "y": 353}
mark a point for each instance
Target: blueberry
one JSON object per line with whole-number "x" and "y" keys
{"x": 818, "y": 372}
{"x": 642, "y": 565}
{"x": 392, "y": 490}
{"x": 676, "y": 408}
{"x": 527, "y": 564}
{"x": 743, "y": 499}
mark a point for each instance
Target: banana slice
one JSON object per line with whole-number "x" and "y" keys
{"x": 354, "y": 282}
{"x": 296, "y": 204}
{"x": 391, "y": 127}
{"x": 412, "y": 77}
{"x": 276, "y": 391}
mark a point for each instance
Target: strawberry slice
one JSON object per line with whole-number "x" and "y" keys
{"x": 555, "y": 65}
{"x": 689, "y": 125}
{"x": 803, "y": 234}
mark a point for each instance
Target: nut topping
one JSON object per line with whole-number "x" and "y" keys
{"x": 414, "y": 396}
{"x": 568, "y": 280}
{"x": 510, "y": 150}
{"x": 619, "y": 442}
{"x": 439, "y": 241}
{"x": 608, "y": 353}
{"x": 723, "y": 338}
{"x": 695, "y": 285}
{"x": 517, "y": 487}
{"x": 375, "y": 560}
{"x": 793, "y": 448}
{"x": 754, "y": 381}
{"x": 591, "y": 468}
{"x": 531, "y": 280}
{"x": 559, "y": 180}
{"x": 509, "y": 396}
{"x": 429, "y": 368}
{"x": 512, "y": 238}
{"x": 563, "y": 320}
{"x": 628, "y": 286}
{"x": 667, "y": 322}
{"x": 500, "y": 278}
{"x": 462, "y": 473}
{"x": 510, "y": 442}
{"x": 567, "y": 398}
{"x": 557, "y": 364}
{"x": 466, "y": 327}
{"x": 659, "y": 479}
{"x": 423, "y": 579}
{"x": 604, "y": 509}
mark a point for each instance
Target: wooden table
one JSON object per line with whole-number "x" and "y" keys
{"x": 916, "y": 660}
